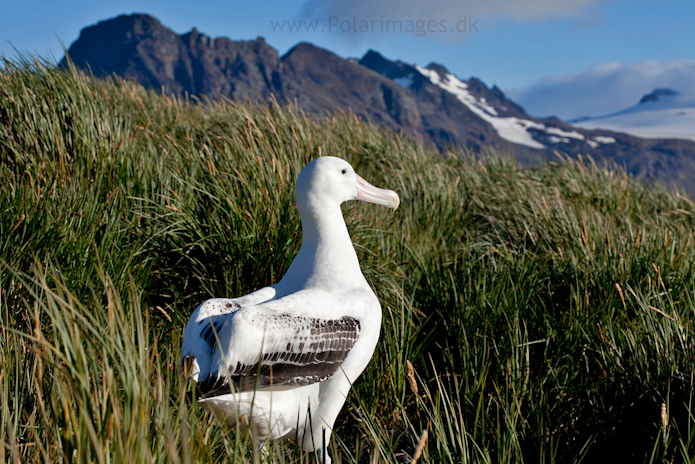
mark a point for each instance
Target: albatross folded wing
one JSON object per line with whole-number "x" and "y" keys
{"x": 266, "y": 350}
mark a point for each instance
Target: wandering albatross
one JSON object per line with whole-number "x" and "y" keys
{"x": 284, "y": 357}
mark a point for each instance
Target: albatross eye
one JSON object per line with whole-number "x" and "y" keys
{"x": 344, "y": 171}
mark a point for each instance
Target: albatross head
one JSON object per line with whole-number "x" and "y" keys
{"x": 332, "y": 180}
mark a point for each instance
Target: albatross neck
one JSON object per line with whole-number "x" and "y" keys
{"x": 326, "y": 259}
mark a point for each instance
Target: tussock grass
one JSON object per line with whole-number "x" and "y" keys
{"x": 547, "y": 313}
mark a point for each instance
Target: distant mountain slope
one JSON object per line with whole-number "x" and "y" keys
{"x": 663, "y": 113}
{"x": 428, "y": 102}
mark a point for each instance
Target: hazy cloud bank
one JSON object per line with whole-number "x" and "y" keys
{"x": 604, "y": 88}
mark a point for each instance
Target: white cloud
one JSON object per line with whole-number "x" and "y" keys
{"x": 604, "y": 88}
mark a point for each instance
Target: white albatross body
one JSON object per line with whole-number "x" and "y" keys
{"x": 284, "y": 357}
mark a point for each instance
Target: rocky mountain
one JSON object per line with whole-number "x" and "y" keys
{"x": 428, "y": 102}
{"x": 139, "y": 47}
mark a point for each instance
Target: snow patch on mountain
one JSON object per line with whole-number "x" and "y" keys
{"x": 512, "y": 129}
{"x": 559, "y": 132}
{"x": 602, "y": 139}
{"x": 598, "y": 140}
{"x": 555, "y": 139}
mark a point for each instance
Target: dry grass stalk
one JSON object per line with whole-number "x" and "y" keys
{"x": 420, "y": 447}
{"x": 622, "y": 297}
{"x": 411, "y": 377}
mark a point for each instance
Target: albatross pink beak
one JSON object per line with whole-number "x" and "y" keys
{"x": 367, "y": 192}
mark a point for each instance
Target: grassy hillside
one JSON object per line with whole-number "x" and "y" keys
{"x": 548, "y": 313}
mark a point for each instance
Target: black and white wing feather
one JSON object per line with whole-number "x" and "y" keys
{"x": 261, "y": 348}
{"x": 199, "y": 338}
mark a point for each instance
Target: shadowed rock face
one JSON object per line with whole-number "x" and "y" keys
{"x": 390, "y": 93}
{"x": 140, "y": 48}
{"x": 321, "y": 81}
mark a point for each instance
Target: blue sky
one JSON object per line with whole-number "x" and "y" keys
{"x": 518, "y": 45}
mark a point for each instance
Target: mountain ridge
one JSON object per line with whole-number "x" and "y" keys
{"x": 429, "y": 103}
